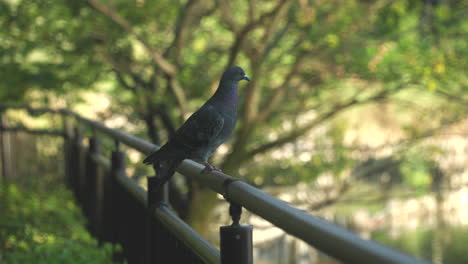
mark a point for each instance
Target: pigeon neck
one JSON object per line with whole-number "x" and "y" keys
{"x": 227, "y": 93}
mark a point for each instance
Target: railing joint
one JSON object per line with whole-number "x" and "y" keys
{"x": 235, "y": 212}
{"x": 226, "y": 184}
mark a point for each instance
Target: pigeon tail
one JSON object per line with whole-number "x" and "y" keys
{"x": 165, "y": 170}
{"x": 158, "y": 155}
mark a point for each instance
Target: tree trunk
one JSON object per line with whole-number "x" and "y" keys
{"x": 202, "y": 205}
{"x": 204, "y": 200}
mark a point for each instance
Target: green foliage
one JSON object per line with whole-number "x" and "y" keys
{"x": 43, "y": 48}
{"x": 46, "y": 227}
{"x": 416, "y": 172}
{"x": 417, "y": 243}
{"x": 417, "y": 167}
{"x": 454, "y": 249}
{"x": 423, "y": 242}
{"x": 322, "y": 154}
{"x": 309, "y": 61}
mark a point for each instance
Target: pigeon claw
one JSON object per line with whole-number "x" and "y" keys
{"x": 209, "y": 168}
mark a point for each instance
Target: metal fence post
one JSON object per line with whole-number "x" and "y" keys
{"x": 108, "y": 227}
{"x": 157, "y": 194}
{"x": 5, "y": 149}
{"x": 68, "y": 150}
{"x": 77, "y": 162}
{"x": 235, "y": 240}
{"x": 91, "y": 176}
{"x": 2, "y": 155}
{"x": 114, "y": 219}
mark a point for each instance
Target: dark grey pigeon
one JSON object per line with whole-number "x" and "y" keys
{"x": 204, "y": 131}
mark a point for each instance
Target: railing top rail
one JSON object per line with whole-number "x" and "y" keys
{"x": 329, "y": 238}
{"x": 129, "y": 140}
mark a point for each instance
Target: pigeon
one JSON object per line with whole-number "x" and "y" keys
{"x": 203, "y": 132}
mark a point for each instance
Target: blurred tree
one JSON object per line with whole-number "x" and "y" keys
{"x": 309, "y": 61}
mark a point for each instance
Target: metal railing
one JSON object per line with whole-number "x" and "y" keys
{"x": 122, "y": 212}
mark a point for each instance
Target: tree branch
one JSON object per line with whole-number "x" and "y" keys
{"x": 278, "y": 93}
{"x": 276, "y": 15}
{"x": 181, "y": 29}
{"x": 165, "y": 118}
{"x": 122, "y": 81}
{"x": 297, "y": 132}
{"x": 278, "y": 36}
{"x": 227, "y": 16}
{"x": 252, "y": 96}
{"x": 455, "y": 98}
{"x": 165, "y": 66}
{"x": 189, "y": 17}
{"x": 301, "y": 130}
{"x": 250, "y": 109}
{"x": 122, "y": 68}
{"x": 179, "y": 94}
{"x": 330, "y": 200}
{"x": 252, "y": 92}
{"x": 252, "y": 10}
{"x": 151, "y": 126}
{"x": 241, "y": 34}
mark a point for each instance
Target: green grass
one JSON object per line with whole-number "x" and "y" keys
{"x": 46, "y": 226}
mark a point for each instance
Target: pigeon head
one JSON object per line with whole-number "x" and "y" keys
{"x": 234, "y": 74}
{"x": 227, "y": 90}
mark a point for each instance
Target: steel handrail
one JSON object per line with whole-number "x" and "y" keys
{"x": 327, "y": 237}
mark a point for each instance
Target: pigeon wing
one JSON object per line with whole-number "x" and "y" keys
{"x": 201, "y": 128}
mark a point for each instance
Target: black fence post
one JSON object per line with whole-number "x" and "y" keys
{"x": 114, "y": 206}
{"x": 157, "y": 194}
{"x": 108, "y": 227}
{"x": 236, "y": 240}
{"x": 5, "y": 149}
{"x": 68, "y": 150}
{"x": 91, "y": 177}
{"x": 75, "y": 162}
{"x": 2, "y": 154}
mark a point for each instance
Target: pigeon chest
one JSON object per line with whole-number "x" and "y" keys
{"x": 228, "y": 127}
{"x": 205, "y": 152}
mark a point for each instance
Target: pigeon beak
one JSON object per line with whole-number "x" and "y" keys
{"x": 246, "y": 78}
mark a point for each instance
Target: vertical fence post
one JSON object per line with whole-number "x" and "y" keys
{"x": 74, "y": 162}
{"x": 68, "y": 150}
{"x": 78, "y": 164}
{"x": 92, "y": 171}
{"x": 108, "y": 226}
{"x": 2, "y": 155}
{"x": 236, "y": 240}
{"x": 5, "y": 149}
{"x": 157, "y": 194}
{"x": 150, "y": 229}
{"x": 113, "y": 219}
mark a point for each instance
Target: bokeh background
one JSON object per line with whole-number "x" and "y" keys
{"x": 356, "y": 112}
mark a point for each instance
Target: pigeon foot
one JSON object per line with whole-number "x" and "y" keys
{"x": 209, "y": 168}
